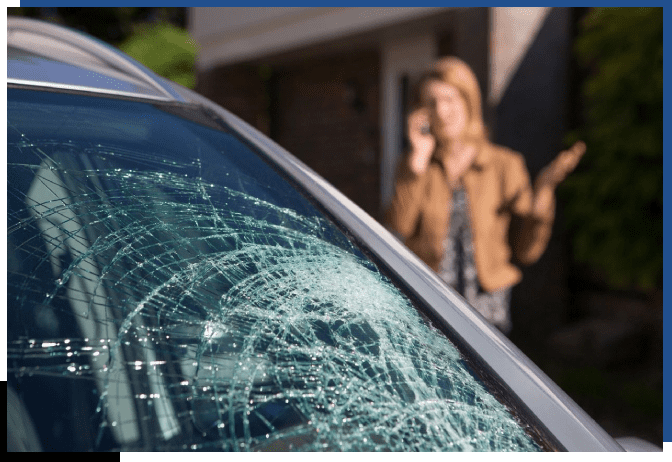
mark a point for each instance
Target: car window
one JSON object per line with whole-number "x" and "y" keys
{"x": 170, "y": 289}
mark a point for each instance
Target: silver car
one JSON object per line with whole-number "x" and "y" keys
{"x": 177, "y": 281}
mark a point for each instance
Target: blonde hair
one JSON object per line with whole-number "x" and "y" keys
{"x": 455, "y": 72}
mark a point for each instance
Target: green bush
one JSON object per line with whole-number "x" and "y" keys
{"x": 166, "y": 49}
{"x": 615, "y": 198}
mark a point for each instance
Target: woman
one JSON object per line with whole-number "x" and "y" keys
{"x": 456, "y": 193}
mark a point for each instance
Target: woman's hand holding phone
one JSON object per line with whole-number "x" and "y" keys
{"x": 422, "y": 142}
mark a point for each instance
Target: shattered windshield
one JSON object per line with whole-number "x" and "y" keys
{"x": 168, "y": 289}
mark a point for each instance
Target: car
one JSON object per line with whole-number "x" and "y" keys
{"x": 178, "y": 281}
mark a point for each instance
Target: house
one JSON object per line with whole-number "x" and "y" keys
{"x": 332, "y": 85}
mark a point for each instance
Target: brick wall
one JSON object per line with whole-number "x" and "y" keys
{"x": 239, "y": 88}
{"x": 327, "y": 115}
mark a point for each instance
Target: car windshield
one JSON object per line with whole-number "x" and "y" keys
{"x": 170, "y": 289}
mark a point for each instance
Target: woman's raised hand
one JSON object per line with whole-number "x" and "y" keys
{"x": 421, "y": 140}
{"x": 556, "y": 172}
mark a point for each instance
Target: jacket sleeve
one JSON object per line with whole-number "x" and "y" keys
{"x": 404, "y": 211}
{"x": 531, "y": 238}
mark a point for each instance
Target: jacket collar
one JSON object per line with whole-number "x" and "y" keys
{"x": 481, "y": 161}
{"x": 483, "y": 157}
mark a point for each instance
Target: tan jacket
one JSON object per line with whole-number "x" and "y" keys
{"x": 498, "y": 186}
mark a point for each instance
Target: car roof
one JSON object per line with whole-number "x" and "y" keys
{"x": 48, "y": 55}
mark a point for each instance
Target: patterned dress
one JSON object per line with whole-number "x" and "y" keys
{"x": 458, "y": 269}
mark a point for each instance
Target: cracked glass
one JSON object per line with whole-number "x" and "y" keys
{"x": 170, "y": 289}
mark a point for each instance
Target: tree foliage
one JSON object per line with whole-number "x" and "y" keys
{"x": 166, "y": 49}
{"x": 615, "y": 199}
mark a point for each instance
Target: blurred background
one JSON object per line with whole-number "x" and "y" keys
{"x": 332, "y": 85}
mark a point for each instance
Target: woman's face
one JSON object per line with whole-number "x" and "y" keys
{"x": 448, "y": 109}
